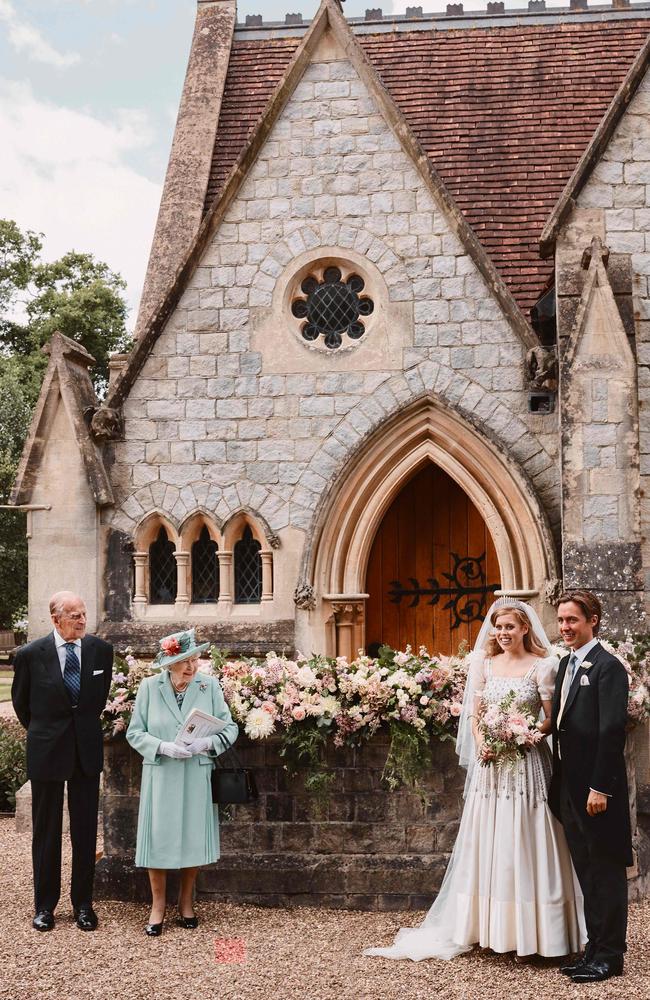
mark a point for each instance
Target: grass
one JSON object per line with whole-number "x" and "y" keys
{"x": 6, "y": 677}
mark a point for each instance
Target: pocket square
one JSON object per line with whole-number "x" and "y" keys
{"x": 96, "y": 673}
{"x": 584, "y": 681}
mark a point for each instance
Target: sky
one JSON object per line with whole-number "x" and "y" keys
{"x": 89, "y": 91}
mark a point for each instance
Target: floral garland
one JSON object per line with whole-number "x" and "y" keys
{"x": 311, "y": 702}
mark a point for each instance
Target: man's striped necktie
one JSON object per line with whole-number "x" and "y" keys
{"x": 72, "y": 673}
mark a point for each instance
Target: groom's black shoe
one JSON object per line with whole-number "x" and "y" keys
{"x": 568, "y": 970}
{"x": 598, "y": 972}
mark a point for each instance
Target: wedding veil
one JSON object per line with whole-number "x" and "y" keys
{"x": 465, "y": 739}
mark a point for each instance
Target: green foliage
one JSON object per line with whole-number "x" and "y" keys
{"x": 13, "y": 762}
{"x": 77, "y": 295}
{"x": 15, "y": 408}
{"x": 304, "y": 748}
{"x": 409, "y": 758}
{"x": 83, "y": 299}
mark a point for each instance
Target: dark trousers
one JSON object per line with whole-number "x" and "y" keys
{"x": 603, "y": 881}
{"x": 47, "y": 820}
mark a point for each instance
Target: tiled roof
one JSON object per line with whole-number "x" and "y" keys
{"x": 503, "y": 112}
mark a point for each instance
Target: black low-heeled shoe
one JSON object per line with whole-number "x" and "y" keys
{"x": 154, "y": 930}
{"x": 189, "y": 923}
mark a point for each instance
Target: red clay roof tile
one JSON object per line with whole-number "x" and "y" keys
{"x": 504, "y": 113}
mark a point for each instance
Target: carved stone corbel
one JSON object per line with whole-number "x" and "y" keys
{"x": 542, "y": 369}
{"x": 304, "y": 597}
{"x": 106, "y": 424}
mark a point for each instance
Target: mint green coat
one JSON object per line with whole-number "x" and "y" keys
{"x": 178, "y": 825}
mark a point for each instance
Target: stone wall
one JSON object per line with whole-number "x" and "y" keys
{"x": 606, "y": 515}
{"x": 367, "y": 848}
{"x": 234, "y": 410}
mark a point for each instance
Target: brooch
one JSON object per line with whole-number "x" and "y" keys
{"x": 203, "y": 687}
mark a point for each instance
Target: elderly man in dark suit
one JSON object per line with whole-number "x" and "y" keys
{"x": 59, "y": 691}
{"x": 589, "y": 792}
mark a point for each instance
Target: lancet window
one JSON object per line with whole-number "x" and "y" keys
{"x": 162, "y": 570}
{"x": 248, "y": 569}
{"x": 205, "y": 569}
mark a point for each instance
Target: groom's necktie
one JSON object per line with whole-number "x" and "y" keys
{"x": 568, "y": 681}
{"x": 571, "y": 669}
{"x": 72, "y": 673}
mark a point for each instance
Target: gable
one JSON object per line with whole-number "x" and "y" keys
{"x": 504, "y": 114}
{"x": 66, "y": 396}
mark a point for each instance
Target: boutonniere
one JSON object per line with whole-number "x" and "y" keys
{"x": 584, "y": 681}
{"x": 585, "y": 664}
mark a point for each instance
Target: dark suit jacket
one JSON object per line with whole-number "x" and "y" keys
{"x": 57, "y": 732}
{"x": 590, "y": 738}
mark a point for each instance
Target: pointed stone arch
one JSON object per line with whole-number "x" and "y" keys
{"x": 481, "y": 410}
{"x": 349, "y": 516}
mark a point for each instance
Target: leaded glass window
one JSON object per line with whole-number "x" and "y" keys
{"x": 162, "y": 570}
{"x": 205, "y": 569}
{"x": 333, "y": 308}
{"x": 248, "y": 570}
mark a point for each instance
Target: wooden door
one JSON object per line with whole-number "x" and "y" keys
{"x": 432, "y": 570}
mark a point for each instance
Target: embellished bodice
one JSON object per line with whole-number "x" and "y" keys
{"x": 530, "y": 778}
{"x": 525, "y": 687}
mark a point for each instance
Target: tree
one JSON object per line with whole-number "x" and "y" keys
{"x": 83, "y": 299}
{"x": 77, "y": 295}
{"x": 15, "y": 412}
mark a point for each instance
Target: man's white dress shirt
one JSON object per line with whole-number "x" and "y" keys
{"x": 61, "y": 643}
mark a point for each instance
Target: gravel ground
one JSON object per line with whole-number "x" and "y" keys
{"x": 290, "y": 954}
{"x": 7, "y": 710}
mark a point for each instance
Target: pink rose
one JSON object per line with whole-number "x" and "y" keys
{"x": 171, "y": 646}
{"x": 298, "y": 713}
{"x": 455, "y": 708}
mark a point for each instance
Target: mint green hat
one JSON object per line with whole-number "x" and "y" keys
{"x": 177, "y": 647}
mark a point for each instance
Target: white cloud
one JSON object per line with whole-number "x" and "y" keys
{"x": 26, "y": 38}
{"x": 66, "y": 174}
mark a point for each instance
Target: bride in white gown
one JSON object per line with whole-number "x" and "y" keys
{"x": 509, "y": 885}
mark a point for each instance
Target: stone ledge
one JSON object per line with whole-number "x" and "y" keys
{"x": 244, "y": 638}
{"x": 382, "y": 882}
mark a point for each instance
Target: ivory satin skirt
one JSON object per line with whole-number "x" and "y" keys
{"x": 510, "y": 884}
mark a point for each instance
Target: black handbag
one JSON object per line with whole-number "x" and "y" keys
{"x": 232, "y": 784}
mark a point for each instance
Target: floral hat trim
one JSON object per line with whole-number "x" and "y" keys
{"x": 178, "y": 646}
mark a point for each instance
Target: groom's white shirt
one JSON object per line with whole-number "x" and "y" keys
{"x": 583, "y": 651}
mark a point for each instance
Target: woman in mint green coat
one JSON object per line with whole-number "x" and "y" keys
{"x": 177, "y": 821}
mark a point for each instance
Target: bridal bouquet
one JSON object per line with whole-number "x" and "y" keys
{"x": 509, "y": 730}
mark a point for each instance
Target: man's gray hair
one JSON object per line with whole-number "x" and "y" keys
{"x": 59, "y": 601}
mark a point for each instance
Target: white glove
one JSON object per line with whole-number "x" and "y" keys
{"x": 174, "y": 750}
{"x": 202, "y": 745}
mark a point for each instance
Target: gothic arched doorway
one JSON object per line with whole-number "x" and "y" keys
{"x": 432, "y": 570}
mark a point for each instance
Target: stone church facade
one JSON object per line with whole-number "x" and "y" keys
{"x": 393, "y": 349}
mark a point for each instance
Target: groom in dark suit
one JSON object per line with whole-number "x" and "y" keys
{"x": 59, "y": 691}
{"x": 588, "y": 792}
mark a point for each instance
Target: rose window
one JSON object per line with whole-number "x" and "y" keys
{"x": 333, "y": 308}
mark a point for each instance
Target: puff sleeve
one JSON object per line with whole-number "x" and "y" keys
{"x": 545, "y": 675}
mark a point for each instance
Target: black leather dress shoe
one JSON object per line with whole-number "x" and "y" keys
{"x": 597, "y": 972}
{"x": 189, "y": 923}
{"x": 154, "y": 930}
{"x": 568, "y": 970}
{"x": 86, "y": 918}
{"x": 43, "y": 921}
